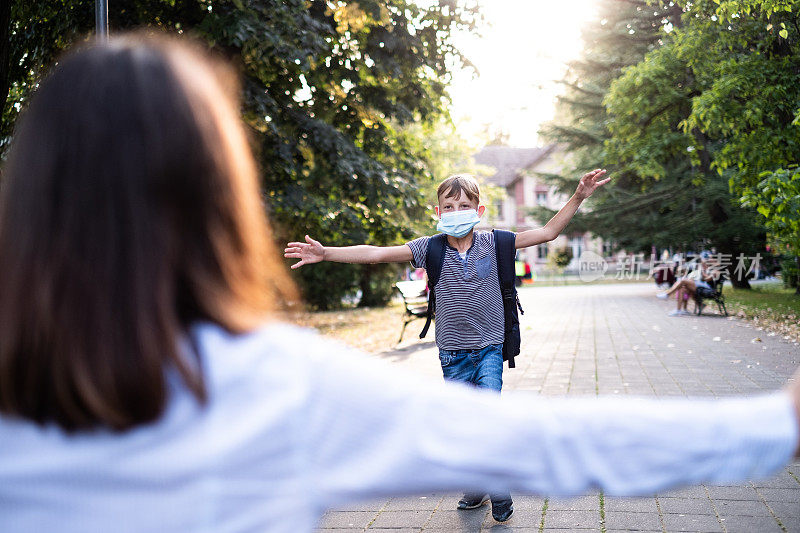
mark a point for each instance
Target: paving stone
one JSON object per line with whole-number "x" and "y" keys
{"x": 752, "y": 524}
{"x": 411, "y": 503}
{"x": 609, "y": 530}
{"x": 691, "y": 522}
{"x": 347, "y": 519}
{"x": 583, "y": 503}
{"x": 688, "y": 492}
{"x": 785, "y": 510}
{"x": 741, "y": 492}
{"x": 781, "y": 495}
{"x": 791, "y": 523}
{"x": 686, "y": 505}
{"x": 738, "y": 507}
{"x": 633, "y": 521}
{"x": 528, "y": 503}
{"x": 784, "y": 480}
{"x": 401, "y": 519}
{"x": 457, "y": 520}
{"x": 369, "y": 505}
{"x": 395, "y": 529}
{"x": 637, "y": 505}
{"x": 572, "y": 519}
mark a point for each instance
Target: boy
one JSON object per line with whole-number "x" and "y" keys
{"x": 469, "y": 306}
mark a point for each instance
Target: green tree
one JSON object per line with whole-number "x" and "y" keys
{"x": 327, "y": 89}
{"x": 752, "y": 102}
{"x": 777, "y": 198}
{"x": 634, "y": 217}
{"x": 669, "y": 165}
{"x": 633, "y": 119}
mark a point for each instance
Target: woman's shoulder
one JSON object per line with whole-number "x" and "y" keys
{"x": 270, "y": 337}
{"x": 270, "y": 346}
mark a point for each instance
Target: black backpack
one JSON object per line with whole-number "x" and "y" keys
{"x": 505, "y": 251}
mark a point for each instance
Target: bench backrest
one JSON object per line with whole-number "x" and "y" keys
{"x": 411, "y": 289}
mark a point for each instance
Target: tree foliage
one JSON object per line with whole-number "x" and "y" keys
{"x": 328, "y": 87}
{"x": 777, "y": 198}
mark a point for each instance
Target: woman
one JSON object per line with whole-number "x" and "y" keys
{"x": 697, "y": 281}
{"x": 146, "y": 385}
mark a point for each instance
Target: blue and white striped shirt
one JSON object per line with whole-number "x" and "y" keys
{"x": 469, "y": 306}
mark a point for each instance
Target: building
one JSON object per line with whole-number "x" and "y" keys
{"x": 516, "y": 173}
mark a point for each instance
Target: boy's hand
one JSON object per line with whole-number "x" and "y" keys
{"x": 589, "y": 183}
{"x": 307, "y": 252}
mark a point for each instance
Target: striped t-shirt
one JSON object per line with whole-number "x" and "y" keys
{"x": 469, "y": 307}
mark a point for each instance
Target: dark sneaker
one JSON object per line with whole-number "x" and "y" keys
{"x": 472, "y": 500}
{"x": 502, "y": 511}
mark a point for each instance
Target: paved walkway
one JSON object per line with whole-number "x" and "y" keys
{"x": 614, "y": 339}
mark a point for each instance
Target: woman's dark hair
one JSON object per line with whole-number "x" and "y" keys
{"x": 129, "y": 210}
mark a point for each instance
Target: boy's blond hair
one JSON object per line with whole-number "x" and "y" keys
{"x": 452, "y": 187}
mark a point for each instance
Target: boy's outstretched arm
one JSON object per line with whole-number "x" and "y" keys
{"x": 589, "y": 183}
{"x": 794, "y": 392}
{"x": 312, "y": 251}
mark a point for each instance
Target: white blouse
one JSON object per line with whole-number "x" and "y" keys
{"x": 295, "y": 424}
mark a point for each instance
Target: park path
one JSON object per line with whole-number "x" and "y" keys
{"x": 614, "y": 339}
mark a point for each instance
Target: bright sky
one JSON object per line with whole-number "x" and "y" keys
{"x": 524, "y": 47}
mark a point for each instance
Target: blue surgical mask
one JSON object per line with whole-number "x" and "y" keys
{"x": 458, "y": 223}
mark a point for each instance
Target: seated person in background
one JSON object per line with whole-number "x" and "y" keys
{"x": 664, "y": 275}
{"x": 698, "y": 280}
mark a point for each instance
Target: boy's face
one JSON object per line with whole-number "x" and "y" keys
{"x": 447, "y": 205}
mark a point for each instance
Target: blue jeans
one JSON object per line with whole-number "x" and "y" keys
{"x": 482, "y": 368}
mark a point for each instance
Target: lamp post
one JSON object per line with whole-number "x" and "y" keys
{"x": 101, "y": 19}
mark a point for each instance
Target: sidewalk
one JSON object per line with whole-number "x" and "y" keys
{"x": 614, "y": 339}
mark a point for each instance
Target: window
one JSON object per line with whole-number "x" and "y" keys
{"x": 608, "y": 248}
{"x": 498, "y": 210}
{"x": 576, "y": 243}
{"x": 541, "y": 197}
{"x": 541, "y": 251}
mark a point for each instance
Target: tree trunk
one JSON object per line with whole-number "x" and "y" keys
{"x": 797, "y": 281}
{"x": 375, "y": 282}
{"x": 5, "y": 49}
{"x": 737, "y": 283}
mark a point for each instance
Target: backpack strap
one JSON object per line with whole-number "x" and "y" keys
{"x": 434, "y": 259}
{"x": 505, "y": 252}
{"x": 505, "y": 249}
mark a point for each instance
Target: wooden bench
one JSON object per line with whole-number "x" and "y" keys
{"x": 415, "y": 301}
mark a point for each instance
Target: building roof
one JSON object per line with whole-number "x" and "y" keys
{"x": 510, "y": 161}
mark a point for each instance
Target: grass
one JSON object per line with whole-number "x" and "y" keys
{"x": 770, "y": 306}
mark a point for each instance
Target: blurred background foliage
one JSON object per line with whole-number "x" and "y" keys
{"x": 342, "y": 99}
